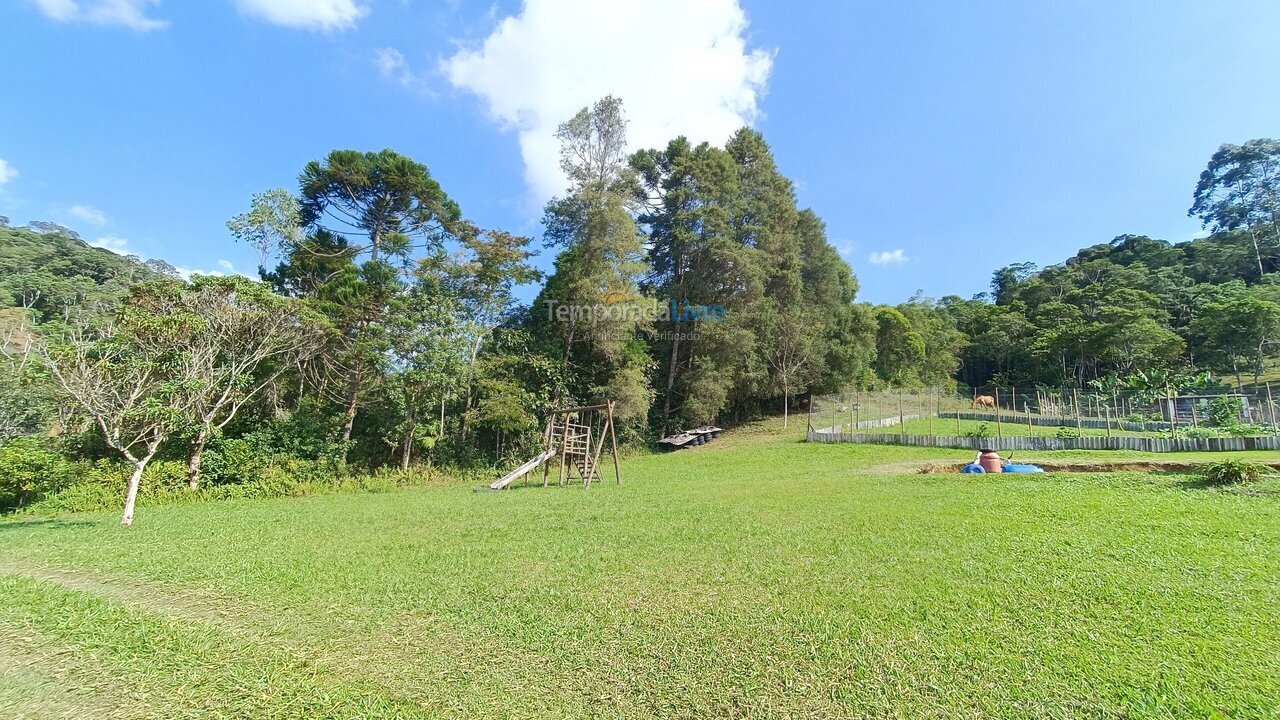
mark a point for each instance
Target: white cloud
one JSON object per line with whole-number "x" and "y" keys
{"x": 128, "y": 13}
{"x": 846, "y": 248}
{"x": 392, "y": 66}
{"x": 88, "y": 213}
{"x": 889, "y": 257}
{"x": 120, "y": 246}
{"x": 680, "y": 67}
{"x": 7, "y": 172}
{"x": 115, "y": 244}
{"x": 323, "y": 15}
{"x": 187, "y": 273}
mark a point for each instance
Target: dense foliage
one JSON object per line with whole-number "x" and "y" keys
{"x": 688, "y": 285}
{"x": 1137, "y": 304}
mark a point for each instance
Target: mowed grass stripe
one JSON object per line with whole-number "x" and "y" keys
{"x": 181, "y": 670}
{"x": 759, "y": 578}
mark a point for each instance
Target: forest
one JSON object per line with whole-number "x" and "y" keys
{"x": 688, "y": 285}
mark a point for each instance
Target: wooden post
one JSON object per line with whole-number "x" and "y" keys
{"x": 1271, "y": 404}
{"x": 959, "y": 433}
{"x": 928, "y": 404}
{"x": 996, "y": 396}
{"x": 1031, "y": 430}
{"x": 564, "y": 447}
{"x": 810, "y": 412}
{"x": 548, "y": 440}
{"x": 595, "y": 459}
{"x": 613, "y": 440}
{"x": 1195, "y": 416}
{"x": 1173, "y": 408}
{"x": 857, "y": 406}
{"x": 853, "y": 426}
{"x": 1075, "y": 395}
{"x": 835, "y": 408}
{"x": 1108, "y": 409}
{"x": 902, "y": 422}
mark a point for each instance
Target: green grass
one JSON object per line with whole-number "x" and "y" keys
{"x": 754, "y": 577}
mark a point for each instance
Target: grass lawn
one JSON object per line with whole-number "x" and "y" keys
{"x": 754, "y": 577}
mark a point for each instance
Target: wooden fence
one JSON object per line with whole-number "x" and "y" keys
{"x": 1012, "y": 418}
{"x": 872, "y": 424}
{"x": 1141, "y": 444}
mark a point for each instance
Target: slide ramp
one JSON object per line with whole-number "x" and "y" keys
{"x": 510, "y": 477}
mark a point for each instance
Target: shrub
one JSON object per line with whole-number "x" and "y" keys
{"x": 1233, "y": 472}
{"x": 28, "y": 471}
{"x": 1246, "y": 430}
{"x": 1226, "y": 411}
{"x": 1067, "y": 433}
{"x": 232, "y": 461}
{"x": 982, "y": 431}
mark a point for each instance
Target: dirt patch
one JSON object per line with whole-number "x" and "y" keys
{"x": 1068, "y": 466}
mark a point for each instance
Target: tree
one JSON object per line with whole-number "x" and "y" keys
{"x": 244, "y": 340}
{"x": 429, "y": 339}
{"x": 1236, "y": 327}
{"x": 1240, "y": 189}
{"x": 793, "y": 351}
{"x": 592, "y": 302}
{"x": 128, "y": 380}
{"x": 899, "y": 348}
{"x": 496, "y": 263}
{"x": 391, "y": 207}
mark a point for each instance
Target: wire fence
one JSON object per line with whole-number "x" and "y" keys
{"x": 1031, "y": 417}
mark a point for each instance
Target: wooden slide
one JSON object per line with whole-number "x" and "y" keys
{"x": 510, "y": 477}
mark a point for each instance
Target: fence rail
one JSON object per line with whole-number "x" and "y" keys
{"x": 1039, "y": 421}
{"x": 1014, "y": 418}
{"x": 1007, "y": 443}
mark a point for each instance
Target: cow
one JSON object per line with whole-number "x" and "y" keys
{"x": 985, "y": 401}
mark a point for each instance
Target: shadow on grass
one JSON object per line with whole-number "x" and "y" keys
{"x": 29, "y": 523}
{"x": 1250, "y": 489}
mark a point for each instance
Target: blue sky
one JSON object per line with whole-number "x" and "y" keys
{"x": 939, "y": 140}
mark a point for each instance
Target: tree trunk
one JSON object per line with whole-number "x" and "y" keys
{"x": 197, "y": 456}
{"x": 353, "y": 396}
{"x": 471, "y": 369}
{"x": 406, "y": 454}
{"x": 1253, "y": 235}
{"x": 671, "y": 369}
{"x": 785, "y": 408}
{"x": 131, "y": 493}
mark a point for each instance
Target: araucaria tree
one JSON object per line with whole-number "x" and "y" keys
{"x": 362, "y": 218}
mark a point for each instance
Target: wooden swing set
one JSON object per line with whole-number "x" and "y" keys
{"x": 577, "y": 436}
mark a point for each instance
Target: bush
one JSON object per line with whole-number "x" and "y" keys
{"x": 1246, "y": 430}
{"x": 1226, "y": 411}
{"x": 1233, "y": 472}
{"x": 982, "y": 431}
{"x": 1067, "y": 433}
{"x": 232, "y": 461}
{"x": 29, "y": 470}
